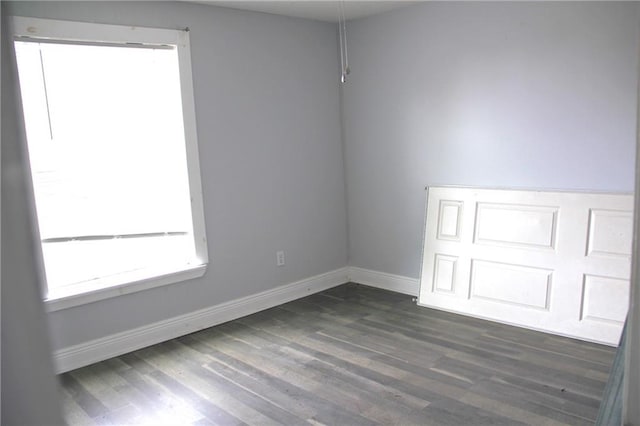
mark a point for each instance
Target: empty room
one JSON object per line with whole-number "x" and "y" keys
{"x": 319, "y": 212}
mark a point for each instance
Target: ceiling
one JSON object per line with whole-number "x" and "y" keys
{"x": 319, "y": 10}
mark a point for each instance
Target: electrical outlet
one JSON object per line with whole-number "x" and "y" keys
{"x": 280, "y": 258}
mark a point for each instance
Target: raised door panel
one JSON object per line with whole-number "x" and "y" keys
{"x": 516, "y": 225}
{"x": 502, "y": 283}
{"x": 608, "y": 234}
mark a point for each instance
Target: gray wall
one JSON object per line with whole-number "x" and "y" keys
{"x": 29, "y": 389}
{"x": 267, "y": 108}
{"x": 522, "y": 94}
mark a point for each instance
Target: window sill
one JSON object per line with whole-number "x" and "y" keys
{"x": 93, "y": 291}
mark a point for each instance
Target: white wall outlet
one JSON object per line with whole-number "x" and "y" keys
{"x": 280, "y": 258}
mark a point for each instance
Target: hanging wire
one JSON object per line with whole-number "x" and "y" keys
{"x": 347, "y": 70}
{"x": 342, "y": 31}
{"x": 342, "y": 76}
{"x": 340, "y": 42}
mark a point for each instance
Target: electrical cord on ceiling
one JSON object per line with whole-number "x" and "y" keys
{"x": 342, "y": 31}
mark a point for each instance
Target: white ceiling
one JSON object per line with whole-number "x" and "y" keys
{"x": 320, "y": 10}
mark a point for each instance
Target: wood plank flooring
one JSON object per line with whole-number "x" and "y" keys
{"x": 352, "y": 355}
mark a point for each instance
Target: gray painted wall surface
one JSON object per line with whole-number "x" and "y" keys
{"x": 533, "y": 95}
{"x": 631, "y": 357}
{"x": 29, "y": 388}
{"x": 267, "y": 108}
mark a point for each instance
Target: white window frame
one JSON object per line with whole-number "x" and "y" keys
{"x": 34, "y": 29}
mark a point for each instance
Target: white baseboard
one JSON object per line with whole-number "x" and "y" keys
{"x": 117, "y": 344}
{"x": 397, "y": 283}
{"x": 121, "y": 343}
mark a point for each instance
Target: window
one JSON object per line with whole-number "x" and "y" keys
{"x": 110, "y": 125}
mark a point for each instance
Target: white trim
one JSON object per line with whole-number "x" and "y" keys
{"x": 397, "y": 283}
{"x": 120, "y": 343}
{"x": 52, "y": 29}
{"x": 191, "y": 146}
{"x": 88, "y": 292}
{"x": 36, "y": 29}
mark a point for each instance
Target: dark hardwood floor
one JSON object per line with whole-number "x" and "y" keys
{"x": 352, "y": 355}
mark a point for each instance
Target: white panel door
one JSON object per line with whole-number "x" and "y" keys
{"x": 552, "y": 261}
